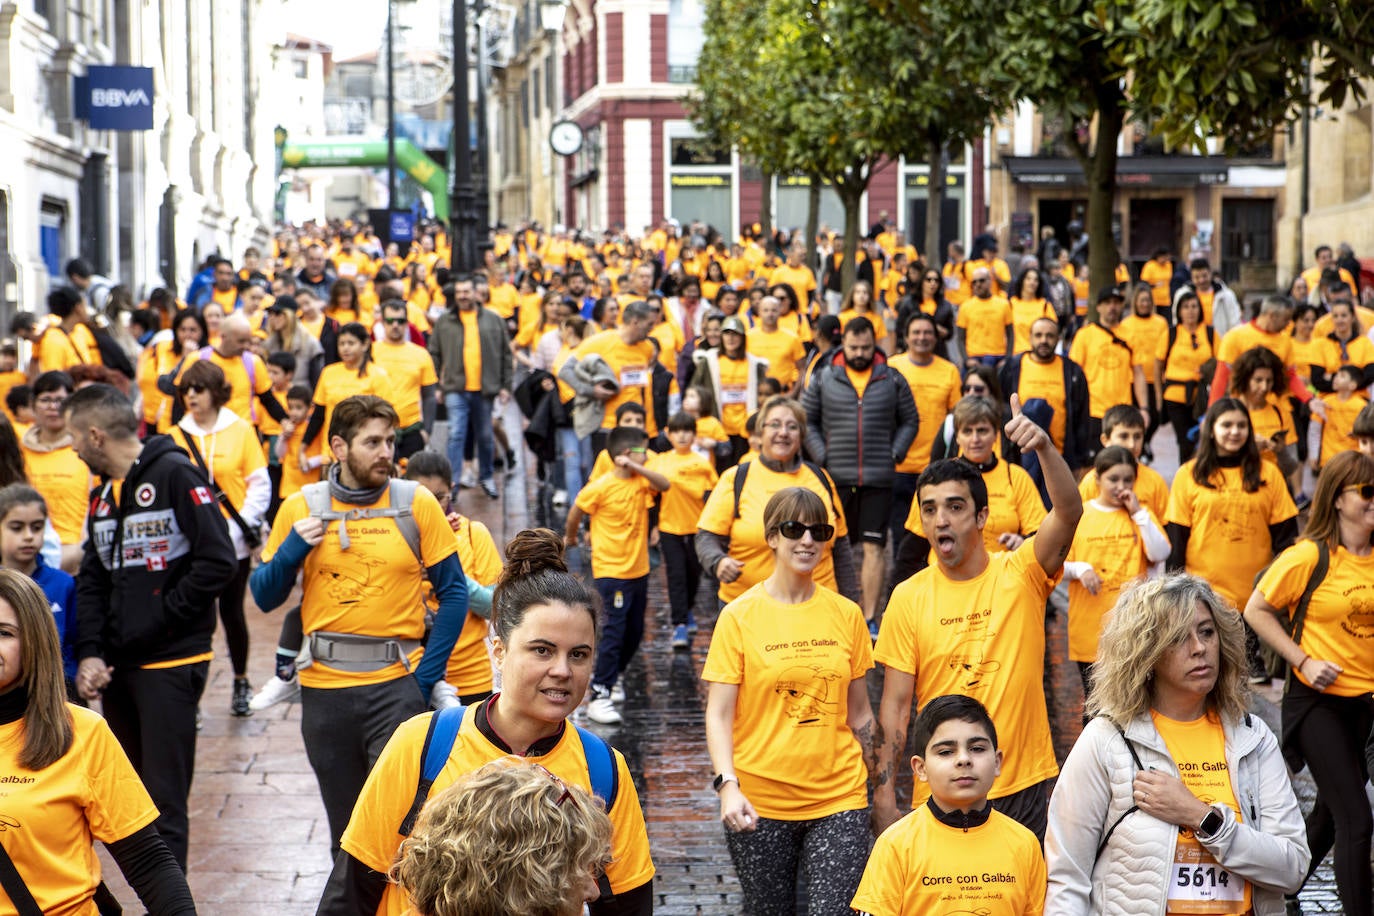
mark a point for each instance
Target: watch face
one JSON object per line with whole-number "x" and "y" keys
{"x": 565, "y": 138}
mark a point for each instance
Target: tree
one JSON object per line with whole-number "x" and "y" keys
{"x": 1233, "y": 69}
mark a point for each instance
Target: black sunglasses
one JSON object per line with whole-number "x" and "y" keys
{"x": 1366, "y": 490}
{"x": 793, "y": 531}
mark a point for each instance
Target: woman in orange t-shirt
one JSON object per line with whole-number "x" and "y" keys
{"x": 788, "y": 722}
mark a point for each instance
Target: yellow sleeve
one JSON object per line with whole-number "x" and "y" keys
{"x": 436, "y": 537}
{"x": 1286, "y": 578}
{"x": 719, "y": 515}
{"x": 118, "y": 806}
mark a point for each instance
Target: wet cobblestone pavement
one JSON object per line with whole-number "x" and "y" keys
{"x": 259, "y": 841}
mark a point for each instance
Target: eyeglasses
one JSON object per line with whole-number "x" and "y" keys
{"x": 776, "y": 425}
{"x": 1366, "y": 490}
{"x": 793, "y": 531}
{"x": 50, "y": 402}
{"x": 396, "y": 320}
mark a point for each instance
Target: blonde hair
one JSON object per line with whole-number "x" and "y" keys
{"x": 507, "y": 838}
{"x": 1147, "y": 621}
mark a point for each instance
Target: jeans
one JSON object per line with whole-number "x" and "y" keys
{"x": 469, "y": 407}
{"x": 576, "y": 455}
{"x": 623, "y": 629}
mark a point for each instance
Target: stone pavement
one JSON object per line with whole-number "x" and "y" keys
{"x": 259, "y": 840}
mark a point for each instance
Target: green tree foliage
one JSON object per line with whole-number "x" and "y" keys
{"x": 1192, "y": 69}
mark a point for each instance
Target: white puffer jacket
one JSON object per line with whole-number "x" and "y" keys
{"x": 1131, "y": 877}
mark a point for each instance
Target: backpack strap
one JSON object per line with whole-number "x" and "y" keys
{"x": 1135, "y": 757}
{"x": 434, "y": 753}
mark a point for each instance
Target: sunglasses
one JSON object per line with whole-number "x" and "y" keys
{"x": 793, "y": 531}
{"x": 1366, "y": 490}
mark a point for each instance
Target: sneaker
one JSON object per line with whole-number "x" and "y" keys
{"x": 873, "y": 630}
{"x": 560, "y": 497}
{"x": 601, "y": 710}
{"x": 680, "y": 638}
{"x": 276, "y": 691}
{"x": 489, "y": 488}
{"x": 618, "y": 693}
{"x": 468, "y": 480}
{"x": 243, "y": 695}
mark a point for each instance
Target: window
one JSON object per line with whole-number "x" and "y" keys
{"x": 685, "y": 38}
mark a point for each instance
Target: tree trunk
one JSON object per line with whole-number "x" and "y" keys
{"x": 766, "y": 209}
{"x": 1101, "y": 174}
{"x": 851, "y": 193}
{"x": 813, "y": 221}
{"x": 935, "y": 198}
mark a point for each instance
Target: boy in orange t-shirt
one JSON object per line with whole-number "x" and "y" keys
{"x": 618, "y": 506}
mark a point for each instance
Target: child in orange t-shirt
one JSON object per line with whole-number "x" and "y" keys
{"x": 618, "y": 506}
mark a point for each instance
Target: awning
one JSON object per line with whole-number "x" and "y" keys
{"x": 1131, "y": 171}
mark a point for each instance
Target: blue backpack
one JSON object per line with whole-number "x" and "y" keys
{"x": 443, "y": 731}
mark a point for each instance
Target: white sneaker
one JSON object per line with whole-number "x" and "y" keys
{"x": 603, "y": 711}
{"x": 276, "y": 691}
{"x": 618, "y": 693}
{"x": 560, "y": 497}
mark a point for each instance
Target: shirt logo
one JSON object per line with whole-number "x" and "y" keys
{"x": 145, "y": 494}
{"x": 201, "y": 496}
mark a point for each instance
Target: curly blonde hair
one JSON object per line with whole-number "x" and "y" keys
{"x": 1148, "y": 620}
{"x": 507, "y": 838}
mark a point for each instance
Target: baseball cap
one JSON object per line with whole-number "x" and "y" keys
{"x": 734, "y": 323}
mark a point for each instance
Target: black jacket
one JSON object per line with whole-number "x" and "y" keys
{"x": 155, "y": 562}
{"x": 859, "y": 440}
{"x": 1076, "y": 444}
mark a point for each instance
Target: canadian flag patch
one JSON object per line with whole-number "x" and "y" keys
{"x": 202, "y": 496}
{"x": 155, "y": 562}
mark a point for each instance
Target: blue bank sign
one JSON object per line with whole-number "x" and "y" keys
{"x": 116, "y": 98}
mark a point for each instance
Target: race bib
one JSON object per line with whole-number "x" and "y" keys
{"x": 634, "y": 377}
{"x": 734, "y": 395}
{"x": 1198, "y": 885}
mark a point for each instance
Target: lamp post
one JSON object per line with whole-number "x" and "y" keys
{"x": 463, "y": 202}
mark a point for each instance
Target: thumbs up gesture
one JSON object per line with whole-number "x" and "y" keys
{"x": 1023, "y": 432}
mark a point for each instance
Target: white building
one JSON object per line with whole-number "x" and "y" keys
{"x": 145, "y": 207}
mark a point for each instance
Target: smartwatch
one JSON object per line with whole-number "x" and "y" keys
{"x": 1209, "y": 826}
{"x": 722, "y": 778}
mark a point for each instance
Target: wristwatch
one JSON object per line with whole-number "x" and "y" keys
{"x": 722, "y": 778}
{"x": 1210, "y": 824}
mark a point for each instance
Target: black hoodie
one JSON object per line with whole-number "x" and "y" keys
{"x": 157, "y": 556}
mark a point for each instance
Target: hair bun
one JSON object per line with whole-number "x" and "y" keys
{"x": 532, "y": 551}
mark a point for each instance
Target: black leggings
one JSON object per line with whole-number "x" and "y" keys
{"x": 231, "y": 616}
{"x": 1332, "y": 736}
{"x": 1181, "y": 419}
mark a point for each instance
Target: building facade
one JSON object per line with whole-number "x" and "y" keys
{"x": 143, "y": 206}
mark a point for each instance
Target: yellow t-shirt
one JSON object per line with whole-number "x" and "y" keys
{"x": 630, "y": 363}
{"x": 232, "y": 454}
{"x": 1109, "y": 366}
{"x": 1024, "y": 313}
{"x": 1014, "y": 506}
{"x": 410, "y": 368}
{"x": 90, "y": 793}
{"x": 1144, "y": 336}
{"x": 920, "y": 866}
{"x": 1046, "y": 381}
{"x": 936, "y": 389}
{"x": 619, "y": 511}
{"x": 1199, "y": 751}
{"x": 794, "y": 753}
{"x": 1338, "y": 431}
{"x": 1109, "y": 539}
{"x": 985, "y": 322}
{"x": 1229, "y": 542}
{"x": 1150, "y": 487}
{"x": 65, "y": 482}
{"x": 781, "y": 348}
{"x": 1183, "y": 361}
{"x": 1248, "y": 336}
{"x": 372, "y": 836}
{"x": 746, "y": 531}
{"x": 469, "y": 665}
{"x": 692, "y": 477}
{"x": 243, "y": 390}
{"x": 1339, "y": 625}
{"x": 338, "y": 382}
{"x": 371, "y": 589}
{"x": 985, "y": 638}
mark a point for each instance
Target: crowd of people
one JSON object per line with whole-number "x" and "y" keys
{"x": 902, "y": 472}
